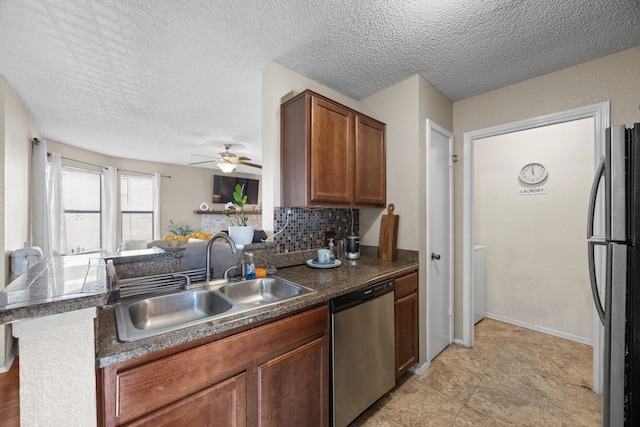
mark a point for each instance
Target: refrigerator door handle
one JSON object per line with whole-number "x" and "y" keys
{"x": 593, "y": 242}
{"x": 593, "y": 196}
{"x": 593, "y": 280}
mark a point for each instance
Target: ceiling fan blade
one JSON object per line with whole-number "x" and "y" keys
{"x": 203, "y": 155}
{"x": 253, "y": 165}
{"x": 199, "y": 163}
{"x": 243, "y": 158}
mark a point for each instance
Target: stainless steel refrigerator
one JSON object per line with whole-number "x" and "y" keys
{"x": 617, "y": 300}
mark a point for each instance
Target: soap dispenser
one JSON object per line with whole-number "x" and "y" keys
{"x": 251, "y": 268}
{"x": 332, "y": 254}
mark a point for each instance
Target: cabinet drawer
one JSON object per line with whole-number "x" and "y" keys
{"x": 406, "y": 285}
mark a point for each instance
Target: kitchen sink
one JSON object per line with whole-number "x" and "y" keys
{"x": 176, "y": 309}
{"x": 263, "y": 291}
{"x": 147, "y": 315}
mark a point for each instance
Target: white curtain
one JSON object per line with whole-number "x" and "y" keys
{"x": 57, "y": 233}
{"x": 156, "y": 178}
{"x": 109, "y": 207}
{"x": 47, "y": 217}
{"x": 39, "y": 195}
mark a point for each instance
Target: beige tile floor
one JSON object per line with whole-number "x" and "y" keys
{"x": 512, "y": 377}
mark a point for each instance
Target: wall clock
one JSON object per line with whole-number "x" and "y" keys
{"x": 533, "y": 173}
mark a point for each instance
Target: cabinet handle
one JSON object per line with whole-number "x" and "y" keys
{"x": 435, "y": 256}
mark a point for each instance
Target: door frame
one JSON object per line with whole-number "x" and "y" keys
{"x": 433, "y": 127}
{"x": 601, "y": 115}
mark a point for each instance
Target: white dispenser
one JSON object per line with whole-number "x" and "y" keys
{"x": 25, "y": 258}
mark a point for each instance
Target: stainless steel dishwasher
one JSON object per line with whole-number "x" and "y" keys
{"x": 362, "y": 350}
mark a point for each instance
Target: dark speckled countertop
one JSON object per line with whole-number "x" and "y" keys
{"x": 53, "y": 286}
{"x": 328, "y": 283}
{"x": 63, "y": 283}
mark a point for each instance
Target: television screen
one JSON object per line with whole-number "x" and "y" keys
{"x": 223, "y": 187}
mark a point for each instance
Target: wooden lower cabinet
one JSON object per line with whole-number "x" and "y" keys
{"x": 276, "y": 374}
{"x": 406, "y": 322}
{"x": 293, "y": 388}
{"x": 225, "y": 403}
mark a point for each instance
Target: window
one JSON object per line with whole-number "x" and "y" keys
{"x": 82, "y": 205}
{"x": 136, "y": 204}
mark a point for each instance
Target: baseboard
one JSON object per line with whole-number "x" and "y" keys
{"x": 542, "y": 329}
{"x": 9, "y": 361}
{"x": 420, "y": 369}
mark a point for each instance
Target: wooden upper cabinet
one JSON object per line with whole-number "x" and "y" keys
{"x": 330, "y": 154}
{"x": 370, "y": 171}
{"x": 332, "y": 150}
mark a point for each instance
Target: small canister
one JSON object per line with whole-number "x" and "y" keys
{"x": 353, "y": 247}
{"x": 340, "y": 248}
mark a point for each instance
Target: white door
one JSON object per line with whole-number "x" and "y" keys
{"x": 439, "y": 239}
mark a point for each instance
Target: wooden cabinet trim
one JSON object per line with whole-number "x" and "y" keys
{"x": 311, "y": 93}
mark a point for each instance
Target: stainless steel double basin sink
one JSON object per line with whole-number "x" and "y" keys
{"x": 143, "y": 316}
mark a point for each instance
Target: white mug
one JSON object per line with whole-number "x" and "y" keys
{"x": 324, "y": 256}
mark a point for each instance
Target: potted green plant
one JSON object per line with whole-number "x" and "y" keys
{"x": 180, "y": 228}
{"x": 240, "y": 231}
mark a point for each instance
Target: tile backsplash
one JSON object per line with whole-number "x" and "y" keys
{"x": 307, "y": 227}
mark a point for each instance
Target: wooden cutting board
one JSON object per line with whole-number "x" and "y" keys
{"x": 388, "y": 246}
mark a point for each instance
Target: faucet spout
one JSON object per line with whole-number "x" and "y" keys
{"x": 187, "y": 280}
{"x": 229, "y": 240}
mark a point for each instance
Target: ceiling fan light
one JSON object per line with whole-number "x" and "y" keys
{"x": 226, "y": 167}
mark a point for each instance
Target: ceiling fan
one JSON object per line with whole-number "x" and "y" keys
{"x": 227, "y": 161}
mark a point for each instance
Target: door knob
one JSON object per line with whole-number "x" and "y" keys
{"x": 435, "y": 256}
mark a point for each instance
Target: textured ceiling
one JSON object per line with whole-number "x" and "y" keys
{"x": 161, "y": 80}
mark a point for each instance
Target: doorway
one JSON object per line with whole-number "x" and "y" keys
{"x": 439, "y": 239}
{"x": 600, "y": 115}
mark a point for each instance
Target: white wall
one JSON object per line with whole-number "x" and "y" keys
{"x": 16, "y": 134}
{"x": 536, "y": 270}
{"x": 398, "y": 105}
{"x": 404, "y": 108}
{"x": 614, "y": 78}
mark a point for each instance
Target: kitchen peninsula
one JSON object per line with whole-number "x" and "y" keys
{"x": 104, "y": 351}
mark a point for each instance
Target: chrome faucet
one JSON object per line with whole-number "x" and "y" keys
{"x": 210, "y": 243}
{"x": 187, "y": 283}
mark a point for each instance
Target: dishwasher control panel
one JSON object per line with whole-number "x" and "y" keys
{"x": 358, "y": 296}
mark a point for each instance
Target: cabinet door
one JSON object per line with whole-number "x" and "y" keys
{"x": 370, "y": 164}
{"x": 406, "y": 313}
{"x": 293, "y": 389}
{"x": 405, "y": 285}
{"x": 223, "y": 404}
{"x": 331, "y": 174}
